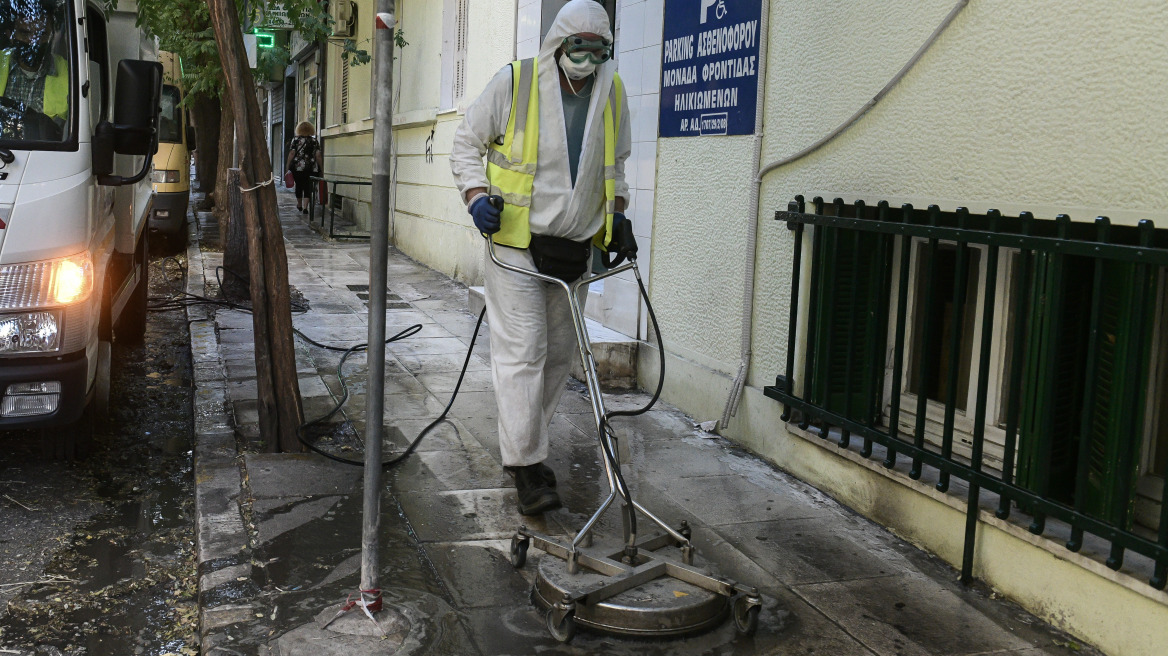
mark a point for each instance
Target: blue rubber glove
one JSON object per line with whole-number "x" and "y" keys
{"x": 486, "y": 216}
{"x": 617, "y": 219}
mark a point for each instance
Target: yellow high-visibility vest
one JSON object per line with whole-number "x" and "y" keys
{"x": 56, "y": 100}
{"x": 511, "y": 165}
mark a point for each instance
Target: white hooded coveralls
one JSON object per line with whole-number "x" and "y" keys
{"x": 533, "y": 343}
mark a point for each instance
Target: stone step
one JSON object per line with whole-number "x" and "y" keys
{"x": 615, "y": 353}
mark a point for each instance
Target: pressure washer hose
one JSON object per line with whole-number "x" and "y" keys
{"x": 453, "y": 395}
{"x": 182, "y": 299}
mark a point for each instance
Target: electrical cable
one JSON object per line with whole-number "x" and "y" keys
{"x": 458, "y": 385}
{"x": 179, "y": 301}
{"x": 345, "y": 397}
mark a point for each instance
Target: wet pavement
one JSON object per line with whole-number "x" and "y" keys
{"x": 279, "y": 534}
{"x": 97, "y": 556}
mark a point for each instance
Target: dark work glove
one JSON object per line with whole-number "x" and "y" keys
{"x": 623, "y": 241}
{"x": 486, "y": 214}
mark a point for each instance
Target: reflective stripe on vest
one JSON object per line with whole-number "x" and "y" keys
{"x": 511, "y": 165}
{"x": 56, "y": 100}
{"x": 611, "y": 130}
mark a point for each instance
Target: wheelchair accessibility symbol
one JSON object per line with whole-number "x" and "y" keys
{"x": 719, "y": 9}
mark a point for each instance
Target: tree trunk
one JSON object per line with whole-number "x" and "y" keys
{"x": 232, "y": 231}
{"x": 225, "y": 161}
{"x": 272, "y": 313}
{"x": 205, "y": 114}
{"x": 237, "y": 266}
{"x": 243, "y": 213}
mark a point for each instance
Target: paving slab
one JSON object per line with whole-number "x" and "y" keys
{"x": 442, "y": 362}
{"x": 280, "y": 534}
{"x": 276, "y": 475}
{"x": 484, "y": 514}
{"x": 912, "y": 615}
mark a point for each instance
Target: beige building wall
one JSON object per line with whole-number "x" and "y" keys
{"x": 430, "y": 222}
{"x": 1043, "y": 106}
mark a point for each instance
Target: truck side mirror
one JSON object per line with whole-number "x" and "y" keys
{"x": 190, "y": 137}
{"x": 137, "y": 105}
{"x": 103, "y": 149}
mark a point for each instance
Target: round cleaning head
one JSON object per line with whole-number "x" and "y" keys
{"x": 662, "y": 607}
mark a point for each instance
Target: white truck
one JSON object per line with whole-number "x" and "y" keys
{"x": 79, "y": 98}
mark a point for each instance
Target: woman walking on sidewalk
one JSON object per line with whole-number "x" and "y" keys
{"x": 304, "y": 161}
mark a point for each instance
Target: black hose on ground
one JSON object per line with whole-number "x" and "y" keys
{"x": 182, "y": 301}
{"x": 458, "y": 385}
{"x": 345, "y": 397}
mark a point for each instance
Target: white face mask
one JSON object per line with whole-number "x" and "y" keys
{"x": 576, "y": 71}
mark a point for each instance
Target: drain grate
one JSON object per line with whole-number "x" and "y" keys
{"x": 392, "y": 300}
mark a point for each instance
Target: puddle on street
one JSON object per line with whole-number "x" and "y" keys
{"x": 128, "y": 572}
{"x": 300, "y": 573}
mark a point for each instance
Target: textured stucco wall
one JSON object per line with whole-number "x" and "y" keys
{"x": 699, "y": 237}
{"x": 1042, "y": 106}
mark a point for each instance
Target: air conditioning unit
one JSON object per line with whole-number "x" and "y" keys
{"x": 344, "y": 15}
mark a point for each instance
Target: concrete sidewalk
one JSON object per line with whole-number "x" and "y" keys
{"x": 279, "y": 535}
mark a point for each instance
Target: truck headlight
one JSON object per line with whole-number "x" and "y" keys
{"x": 48, "y": 283}
{"x": 29, "y": 332}
{"x": 164, "y": 176}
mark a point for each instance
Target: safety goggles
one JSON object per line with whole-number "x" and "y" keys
{"x": 579, "y": 49}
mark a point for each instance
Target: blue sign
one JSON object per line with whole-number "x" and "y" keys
{"x": 709, "y": 67}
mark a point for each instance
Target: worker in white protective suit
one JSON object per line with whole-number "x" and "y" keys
{"x": 555, "y": 134}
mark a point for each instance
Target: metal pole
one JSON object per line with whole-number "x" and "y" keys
{"x": 378, "y": 260}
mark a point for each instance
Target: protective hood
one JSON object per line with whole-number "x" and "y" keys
{"x": 575, "y": 17}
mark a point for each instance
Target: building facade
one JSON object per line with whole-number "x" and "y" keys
{"x": 1001, "y": 344}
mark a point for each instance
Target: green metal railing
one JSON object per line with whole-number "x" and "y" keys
{"x": 332, "y": 206}
{"x": 1080, "y": 337}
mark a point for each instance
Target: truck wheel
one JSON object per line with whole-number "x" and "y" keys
{"x": 131, "y": 325}
{"x": 73, "y": 441}
{"x": 176, "y": 242}
{"x": 101, "y": 384}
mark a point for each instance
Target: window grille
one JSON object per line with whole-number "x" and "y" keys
{"x": 460, "y": 51}
{"x": 1076, "y": 321}
{"x": 344, "y": 91}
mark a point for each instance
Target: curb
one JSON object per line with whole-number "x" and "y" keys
{"x": 221, "y": 539}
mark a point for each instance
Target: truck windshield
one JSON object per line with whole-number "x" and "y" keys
{"x": 170, "y": 120}
{"x": 35, "y": 73}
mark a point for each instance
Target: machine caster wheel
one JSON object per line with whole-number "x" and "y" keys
{"x": 563, "y": 629}
{"x": 745, "y": 610}
{"x": 519, "y": 551}
{"x": 686, "y": 532}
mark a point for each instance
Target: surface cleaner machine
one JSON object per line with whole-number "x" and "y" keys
{"x": 641, "y": 587}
